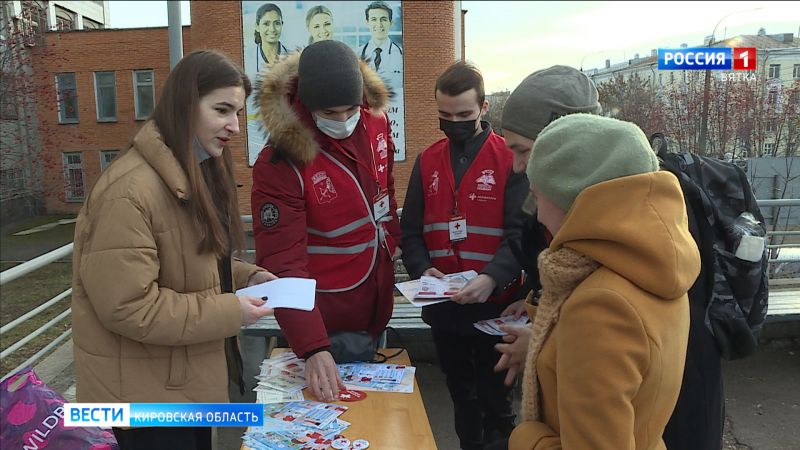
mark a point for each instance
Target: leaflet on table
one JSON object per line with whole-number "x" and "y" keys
{"x": 378, "y": 377}
{"x": 303, "y": 414}
{"x": 267, "y": 396}
{"x": 431, "y": 290}
{"x": 281, "y": 379}
{"x": 295, "y": 293}
{"x": 492, "y": 326}
{"x": 303, "y": 424}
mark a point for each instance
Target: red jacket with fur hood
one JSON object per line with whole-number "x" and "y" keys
{"x": 280, "y": 205}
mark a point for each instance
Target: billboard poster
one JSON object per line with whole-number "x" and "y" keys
{"x": 373, "y": 29}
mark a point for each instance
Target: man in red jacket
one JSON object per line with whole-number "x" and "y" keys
{"x": 466, "y": 182}
{"x": 323, "y": 199}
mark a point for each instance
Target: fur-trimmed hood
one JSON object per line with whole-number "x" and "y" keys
{"x": 291, "y": 128}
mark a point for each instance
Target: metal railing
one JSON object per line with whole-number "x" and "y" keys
{"x": 37, "y": 263}
{"x": 21, "y": 270}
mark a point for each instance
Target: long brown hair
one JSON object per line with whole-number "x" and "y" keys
{"x": 212, "y": 200}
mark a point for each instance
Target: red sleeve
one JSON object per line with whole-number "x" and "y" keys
{"x": 392, "y": 227}
{"x": 279, "y": 230}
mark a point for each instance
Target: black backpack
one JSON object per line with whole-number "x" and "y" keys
{"x": 720, "y": 200}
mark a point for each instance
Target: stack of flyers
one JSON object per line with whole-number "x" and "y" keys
{"x": 288, "y": 362}
{"x": 445, "y": 287}
{"x": 280, "y": 379}
{"x": 297, "y": 425}
{"x": 492, "y": 326}
{"x": 430, "y": 290}
{"x": 378, "y": 377}
{"x": 266, "y": 396}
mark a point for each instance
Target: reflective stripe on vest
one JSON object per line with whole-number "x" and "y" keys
{"x": 341, "y": 230}
{"x": 463, "y": 255}
{"x": 443, "y": 226}
{"x": 351, "y": 250}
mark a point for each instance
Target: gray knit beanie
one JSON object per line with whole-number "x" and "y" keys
{"x": 581, "y": 150}
{"x": 546, "y": 95}
{"x": 329, "y": 75}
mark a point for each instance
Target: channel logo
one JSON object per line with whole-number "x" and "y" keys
{"x": 163, "y": 414}
{"x": 707, "y": 58}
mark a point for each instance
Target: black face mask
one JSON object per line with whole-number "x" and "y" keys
{"x": 458, "y": 132}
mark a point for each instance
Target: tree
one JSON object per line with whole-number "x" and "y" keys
{"x": 26, "y": 133}
{"x": 497, "y": 101}
{"x": 632, "y": 100}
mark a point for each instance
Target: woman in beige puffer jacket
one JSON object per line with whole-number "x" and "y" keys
{"x": 153, "y": 275}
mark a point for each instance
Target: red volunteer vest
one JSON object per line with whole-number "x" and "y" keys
{"x": 480, "y": 198}
{"x": 343, "y": 235}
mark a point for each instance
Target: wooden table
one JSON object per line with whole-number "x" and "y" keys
{"x": 388, "y": 420}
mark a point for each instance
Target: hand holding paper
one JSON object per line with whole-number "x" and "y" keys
{"x": 429, "y": 290}
{"x": 295, "y": 293}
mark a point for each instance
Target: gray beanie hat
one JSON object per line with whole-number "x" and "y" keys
{"x": 546, "y": 95}
{"x": 581, "y": 150}
{"x": 329, "y": 75}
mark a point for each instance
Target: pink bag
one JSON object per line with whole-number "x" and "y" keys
{"x": 32, "y": 418}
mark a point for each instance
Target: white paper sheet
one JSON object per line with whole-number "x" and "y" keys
{"x": 294, "y": 293}
{"x": 409, "y": 289}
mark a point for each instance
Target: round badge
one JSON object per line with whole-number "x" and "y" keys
{"x": 341, "y": 444}
{"x": 269, "y": 215}
{"x": 352, "y": 395}
{"x": 360, "y": 444}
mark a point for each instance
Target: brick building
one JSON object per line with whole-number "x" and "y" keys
{"x": 106, "y": 81}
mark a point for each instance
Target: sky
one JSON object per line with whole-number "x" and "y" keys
{"x": 509, "y": 40}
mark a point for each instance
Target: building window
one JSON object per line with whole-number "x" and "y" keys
{"x": 791, "y": 148}
{"x": 65, "y": 19}
{"x": 769, "y": 147}
{"x": 67, "y": 93}
{"x": 32, "y": 22}
{"x": 8, "y": 102}
{"x": 772, "y": 96}
{"x": 106, "y": 156}
{"x": 105, "y": 93}
{"x": 774, "y": 71}
{"x": 13, "y": 180}
{"x": 772, "y": 125}
{"x": 73, "y": 177}
{"x": 796, "y": 71}
{"x": 89, "y": 24}
{"x": 144, "y": 93}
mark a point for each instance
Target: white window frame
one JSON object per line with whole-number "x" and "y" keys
{"x": 97, "y": 96}
{"x": 73, "y": 193}
{"x": 104, "y": 158}
{"x": 774, "y": 71}
{"x": 136, "y": 85}
{"x": 796, "y": 71}
{"x": 60, "y": 104}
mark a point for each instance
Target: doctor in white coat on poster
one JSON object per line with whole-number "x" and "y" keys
{"x": 385, "y": 56}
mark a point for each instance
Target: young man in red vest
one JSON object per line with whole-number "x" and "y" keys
{"x": 467, "y": 181}
{"x": 323, "y": 199}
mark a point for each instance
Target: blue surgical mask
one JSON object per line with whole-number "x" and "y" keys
{"x": 336, "y": 129}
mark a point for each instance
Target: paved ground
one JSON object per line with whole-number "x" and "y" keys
{"x": 762, "y": 391}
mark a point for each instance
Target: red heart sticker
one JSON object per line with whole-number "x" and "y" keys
{"x": 352, "y": 395}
